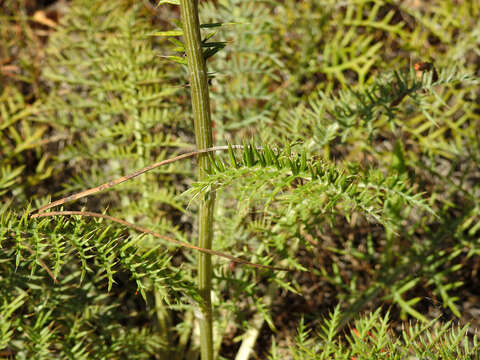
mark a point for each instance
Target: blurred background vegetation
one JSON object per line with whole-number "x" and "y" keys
{"x": 88, "y": 94}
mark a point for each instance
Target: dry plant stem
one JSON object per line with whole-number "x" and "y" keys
{"x": 164, "y": 321}
{"x": 41, "y": 211}
{"x": 160, "y": 236}
{"x": 250, "y": 337}
{"x": 122, "y": 179}
{"x": 43, "y": 265}
{"x": 203, "y": 137}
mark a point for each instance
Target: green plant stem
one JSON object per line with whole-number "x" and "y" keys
{"x": 203, "y": 137}
{"x": 164, "y": 325}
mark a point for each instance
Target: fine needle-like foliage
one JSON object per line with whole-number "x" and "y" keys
{"x": 359, "y": 173}
{"x": 370, "y": 337}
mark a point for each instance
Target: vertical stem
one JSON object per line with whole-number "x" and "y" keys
{"x": 203, "y": 136}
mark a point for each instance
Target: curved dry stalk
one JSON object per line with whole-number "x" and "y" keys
{"x": 122, "y": 179}
{"x": 160, "y": 236}
{"x": 43, "y": 265}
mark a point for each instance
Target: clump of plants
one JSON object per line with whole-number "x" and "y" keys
{"x": 323, "y": 170}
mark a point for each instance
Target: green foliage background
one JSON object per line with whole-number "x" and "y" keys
{"x": 392, "y": 218}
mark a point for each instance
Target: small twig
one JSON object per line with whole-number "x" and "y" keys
{"x": 43, "y": 265}
{"x": 50, "y": 140}
{"x": 160, "y": 236}
{"x": 41, "y": 211}
{"x": 111, "y": 183}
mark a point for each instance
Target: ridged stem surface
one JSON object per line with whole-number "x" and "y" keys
{"x": 203, "y": 136}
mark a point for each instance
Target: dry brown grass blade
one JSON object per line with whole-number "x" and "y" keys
{"x": 41, "y": 211}
{"x": 122, "y": 179}
{"x": 160, "y": 236}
